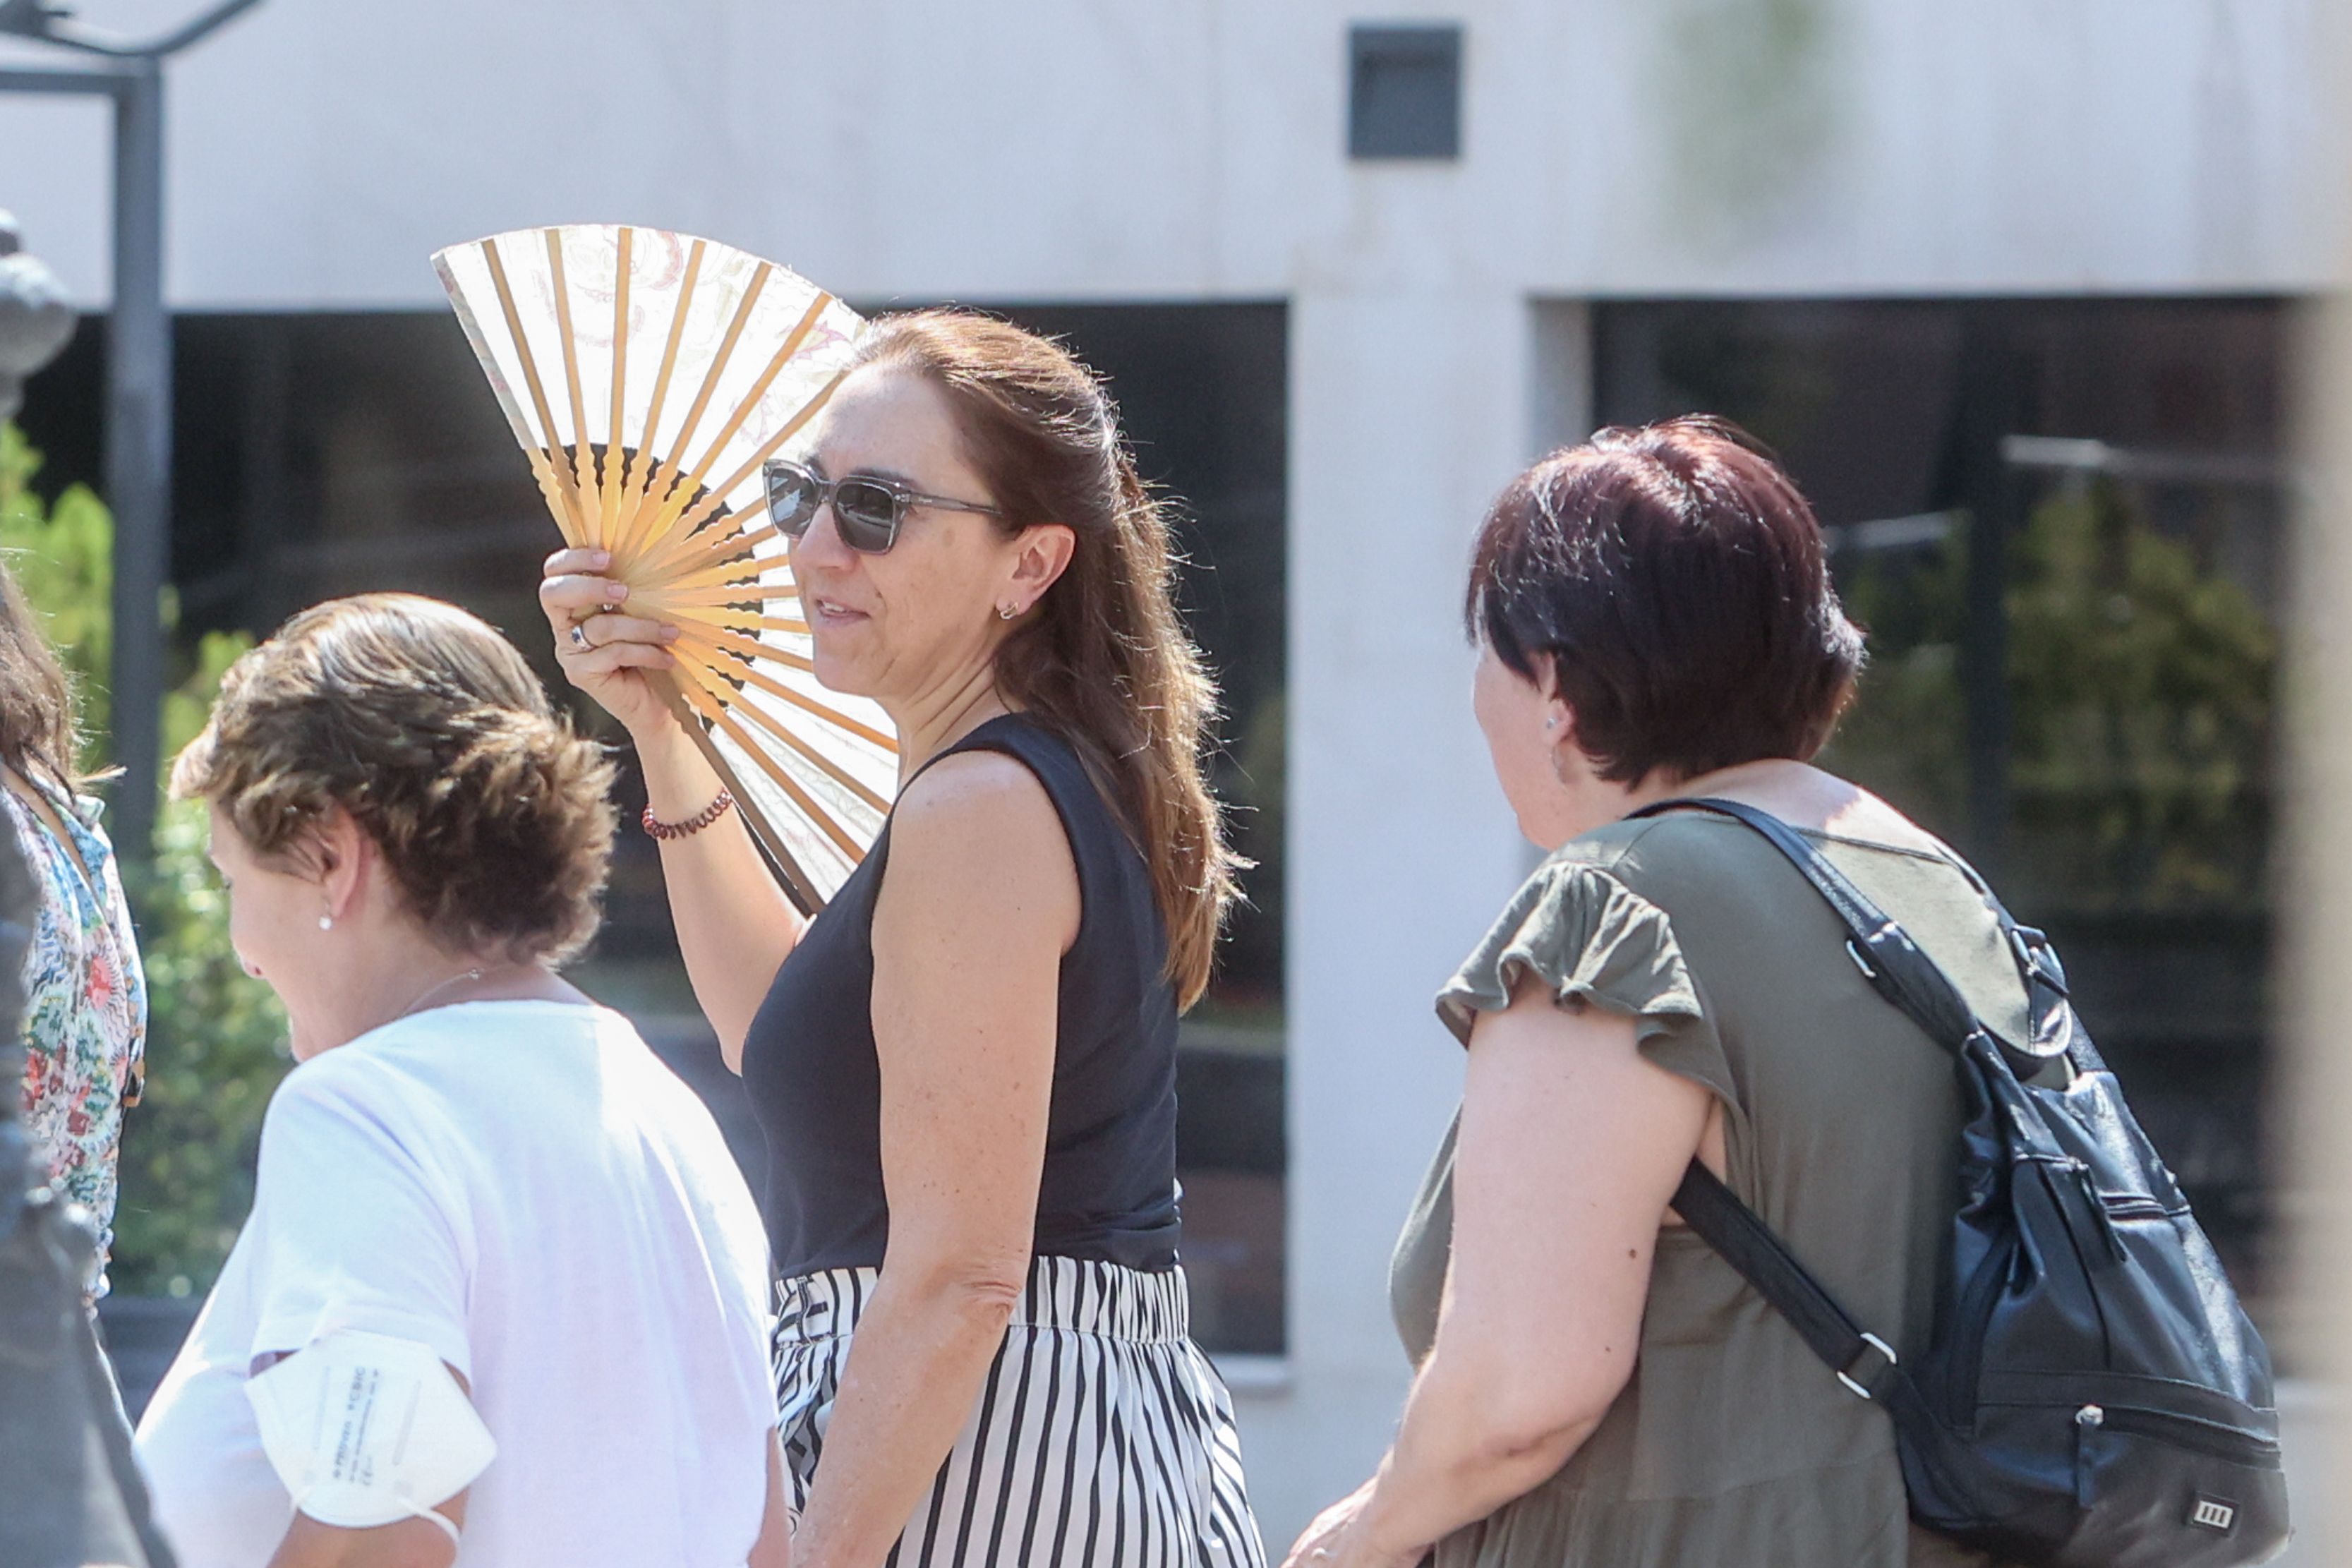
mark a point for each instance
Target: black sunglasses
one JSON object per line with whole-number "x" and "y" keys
{"x": 867, "y": 513}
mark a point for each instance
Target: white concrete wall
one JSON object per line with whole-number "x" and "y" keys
{"x": 1076, "y": 149}
{"x": 1118, "y": 149}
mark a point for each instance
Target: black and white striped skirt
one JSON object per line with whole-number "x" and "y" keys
{"x": 1102, "y": 1436}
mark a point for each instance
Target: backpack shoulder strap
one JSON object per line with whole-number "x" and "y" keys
{"x": 1716, "y": 1217}
{"x": 1905, "y": 976}
{"x": 1866, "y": 1365}
{"x": 1895, "y": 966}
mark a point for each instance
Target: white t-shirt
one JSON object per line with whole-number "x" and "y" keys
{"x": 526, "y": 1188}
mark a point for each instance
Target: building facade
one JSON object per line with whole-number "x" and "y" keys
{"x": 1898, "y": 239}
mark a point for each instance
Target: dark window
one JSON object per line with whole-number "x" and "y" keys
{"x": 2060, "y": 522}
{"x": 1201, "y": 390}
{"x": 1405, "y": 91}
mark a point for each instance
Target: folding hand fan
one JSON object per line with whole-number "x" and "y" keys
{"x": 648, "y": 376}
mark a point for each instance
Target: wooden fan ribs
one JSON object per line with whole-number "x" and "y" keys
{"x": 748, "y": 622}
{"x": 713, "y": 709}
{"x": 563, "y": 291}
{"x": 797, "y": 883}
{"x": 717, "y": 686}
{"x": 730, "y": 558}
{"x": 687, "y": 477}
{"x": 708, "y": 506}
{"x": 555, "y": 486}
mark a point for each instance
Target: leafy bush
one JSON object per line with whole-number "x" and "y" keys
{"x": 215, "y": 1037}
{"x": 2140, "y": 687}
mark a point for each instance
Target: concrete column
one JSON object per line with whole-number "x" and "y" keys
{"x": 1559, "y": 375}
{"x": 1408, "y": 409}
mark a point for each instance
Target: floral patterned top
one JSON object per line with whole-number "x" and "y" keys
{"x": 86, "y": 1008}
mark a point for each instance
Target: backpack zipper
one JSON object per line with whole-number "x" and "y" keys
{"x": 2209, "y": 1437}
{"x": 2206, "y": 1437}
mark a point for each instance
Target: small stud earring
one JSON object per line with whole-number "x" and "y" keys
{"x": 1005, "y": 612}
{"x": 1552, "y": 722}
{"x": 326, "y": 922}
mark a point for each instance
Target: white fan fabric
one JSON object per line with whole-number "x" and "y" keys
{"x": 647, "y": 375}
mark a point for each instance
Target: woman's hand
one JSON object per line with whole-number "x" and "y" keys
{"x": 735, "y": 926}
{"x": 1338, "y": 1539}
{"x": 605, "y": 653}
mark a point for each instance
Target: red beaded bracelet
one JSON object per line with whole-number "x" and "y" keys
{"x": 666, "y": 831}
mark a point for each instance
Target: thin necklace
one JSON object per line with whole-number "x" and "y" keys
{"x": 434, "y": 990}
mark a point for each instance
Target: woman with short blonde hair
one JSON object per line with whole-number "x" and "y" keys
{"x": 476, "y": 1184}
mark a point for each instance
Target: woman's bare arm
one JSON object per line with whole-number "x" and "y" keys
{"x": 978, "y": 905}
{"x": 735, "y": 926}
{"x": 411, "y": 1543}
{"x": 773, "y": 1549}
{"x": 1570, "y": 1148}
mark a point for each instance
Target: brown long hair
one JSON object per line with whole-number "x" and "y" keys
{"x": 40, "y": 737}
{"x": 1104, "y": 659}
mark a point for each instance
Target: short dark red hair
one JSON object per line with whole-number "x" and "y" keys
{"x": 1680, "y": 585}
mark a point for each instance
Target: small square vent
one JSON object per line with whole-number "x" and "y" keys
{"x": 1405, "y": 91}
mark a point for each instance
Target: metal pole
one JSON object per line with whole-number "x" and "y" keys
{"x": 1978, "y": 477}
{"x": 1984, "y": 667}
{"x": 139, "y": 453}
{"x": 138, "y": 375}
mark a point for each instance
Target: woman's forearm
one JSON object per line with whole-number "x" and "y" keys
{"x": 1463, "y": 1450}
{"x": 735, "y": 926}
{"x": 411, "y": 1543}
{"x": 923, "y": 1346}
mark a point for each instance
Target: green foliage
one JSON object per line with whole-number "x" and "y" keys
{"x": 1905, "y": 736}
{"x": 2140, "y": 686}
{"x": 216, "y": 1041}
{"x": 215, "y": 1038}
{"x": 2143, "y": 743}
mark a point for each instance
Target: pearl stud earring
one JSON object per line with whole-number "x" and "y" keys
{"x": 326, "y": 922}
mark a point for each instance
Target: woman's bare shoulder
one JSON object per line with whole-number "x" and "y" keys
{"x": 969, "y": 785}
{"x": 979, "y": 829}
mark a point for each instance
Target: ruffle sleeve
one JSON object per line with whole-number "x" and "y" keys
{"x": 1592, "y": 941}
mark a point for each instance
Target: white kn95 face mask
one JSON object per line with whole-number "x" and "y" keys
{"x": 365, "y": 1429}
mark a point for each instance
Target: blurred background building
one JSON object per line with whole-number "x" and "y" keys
{"x": 2011, "y": 286}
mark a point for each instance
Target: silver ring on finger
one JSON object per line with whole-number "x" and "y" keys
{"x": 580, "y": 638}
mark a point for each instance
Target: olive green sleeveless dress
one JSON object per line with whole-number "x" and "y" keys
{"x": 1731, "y": 1447}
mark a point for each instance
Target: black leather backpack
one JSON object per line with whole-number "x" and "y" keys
{"x": 2094, "y": 1395}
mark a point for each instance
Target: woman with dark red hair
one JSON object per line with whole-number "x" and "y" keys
{"x": 1655, "y": 620}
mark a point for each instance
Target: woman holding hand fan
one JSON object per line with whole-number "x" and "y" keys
{"x": 965, "y": 1064}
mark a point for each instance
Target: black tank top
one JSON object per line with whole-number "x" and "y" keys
{"x": 1110, "y": 1187}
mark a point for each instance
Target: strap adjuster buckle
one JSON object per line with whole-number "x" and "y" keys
{"x": 1869, "y": 1341}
